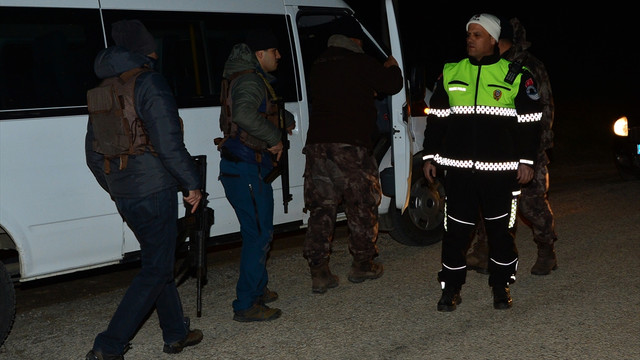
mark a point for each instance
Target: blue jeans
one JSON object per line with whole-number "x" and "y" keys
{"x": 252, "y": 200}
{"x": 153, "y": 219}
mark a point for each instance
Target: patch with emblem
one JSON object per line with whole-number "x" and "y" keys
{"x": 532, "y": 91}
{"x": 497, "y": 94}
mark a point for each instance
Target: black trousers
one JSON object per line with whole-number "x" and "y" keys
{"x": 494, "y": 195}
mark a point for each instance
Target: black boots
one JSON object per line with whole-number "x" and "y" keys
{"x": 501, "y": 297}
{"x": 322, "y": 278}
{"x": 546, "y": 259}
{"x": 450, "y": 299}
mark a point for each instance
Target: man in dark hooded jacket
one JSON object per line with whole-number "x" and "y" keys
{"x": 145, "y": 193}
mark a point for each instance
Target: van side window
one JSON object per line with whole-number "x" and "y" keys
{"x": 314, "y": 27}
{"x": 46, "y": 59}
{"x": 193, "y": 47}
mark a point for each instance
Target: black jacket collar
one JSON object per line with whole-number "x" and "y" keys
{"x": 487, "y": 60}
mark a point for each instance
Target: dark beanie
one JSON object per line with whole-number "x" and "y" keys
{"x": 133, "y": 36}
{"x": 348, "y": 27}
{"x": 261, "y": 39}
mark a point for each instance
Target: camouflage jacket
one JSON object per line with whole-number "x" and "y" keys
{"x": 518, "y": 52}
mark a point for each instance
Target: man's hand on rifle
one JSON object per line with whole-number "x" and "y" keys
{"x": 276, "y": 150}
{"x": 193, "y": 199}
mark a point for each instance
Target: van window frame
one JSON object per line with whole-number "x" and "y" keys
{"x": 211, "y": 62}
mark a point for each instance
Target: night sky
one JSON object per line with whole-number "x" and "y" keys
{"x": 593, "y": 64}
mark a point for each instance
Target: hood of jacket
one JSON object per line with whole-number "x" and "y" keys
{"x": 241, "y": 58}
{"x": 518, "y": 51}
{"x": 519, "y": 35}
{"x": 115, "y": 60}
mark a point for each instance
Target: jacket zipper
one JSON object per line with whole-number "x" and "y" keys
{"x": 475, "y": 123}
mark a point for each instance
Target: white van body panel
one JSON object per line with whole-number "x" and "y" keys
{"x": 233, "y": 6}
{"x": 224, "y": 6}
{"x": 67, "y": 211}
{"x": 87, "y": 4}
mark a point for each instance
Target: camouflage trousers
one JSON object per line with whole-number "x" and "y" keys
{"x": 341, "y": 175}
{"x": 535, "y": 210}
{"x": 533, "y": 206}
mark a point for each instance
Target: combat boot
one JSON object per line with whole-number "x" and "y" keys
{"x": 546, "y": 259}
{"x": 268, "y": 296}
{"x": 258, "y": 312}
{"x": 322, "y": 278}
{"x": 450, "y": 298}
{"x": 502, "y": 297}
{"x": 96, "y": 355}
{"x": 364, "y": 270}
{"x": 478, "y": 255}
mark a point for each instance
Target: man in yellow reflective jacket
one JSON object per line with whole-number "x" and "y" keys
{"x": 483, "y": 129}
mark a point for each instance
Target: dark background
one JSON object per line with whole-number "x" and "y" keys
{"x": 590, "y": 54}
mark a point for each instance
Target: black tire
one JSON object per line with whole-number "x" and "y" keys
{"x": 422, "y": 221}
{"x": 7, "y": 303}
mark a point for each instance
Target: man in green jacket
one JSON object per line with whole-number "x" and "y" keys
{"x": 246, "y": 158}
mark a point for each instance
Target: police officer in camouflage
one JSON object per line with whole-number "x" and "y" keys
{"x": 340, "y": 167}
{"x": 534, "y": 209}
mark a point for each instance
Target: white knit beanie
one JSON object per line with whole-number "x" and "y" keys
{"x": 488, "y": 22}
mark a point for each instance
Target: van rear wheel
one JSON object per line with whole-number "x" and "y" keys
{"x": 7, "y": 303}
{"x": 421, "y": 224}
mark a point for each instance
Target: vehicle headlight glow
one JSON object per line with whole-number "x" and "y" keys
{"x": 620, "y": 127}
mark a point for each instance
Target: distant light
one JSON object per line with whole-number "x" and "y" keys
{"x": 426, "y": 110}
{"x": 621, "y": 127}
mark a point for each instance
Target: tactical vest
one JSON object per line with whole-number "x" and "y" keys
{"x": 118, "y": 131}
{"x": 229, "y": 128}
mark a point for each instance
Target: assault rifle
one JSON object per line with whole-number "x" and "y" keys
{"x": 196, "y": 226}
{"x": 281, "y": 167}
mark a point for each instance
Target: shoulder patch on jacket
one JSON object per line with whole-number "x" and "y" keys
{"x": 532, "y": 91}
